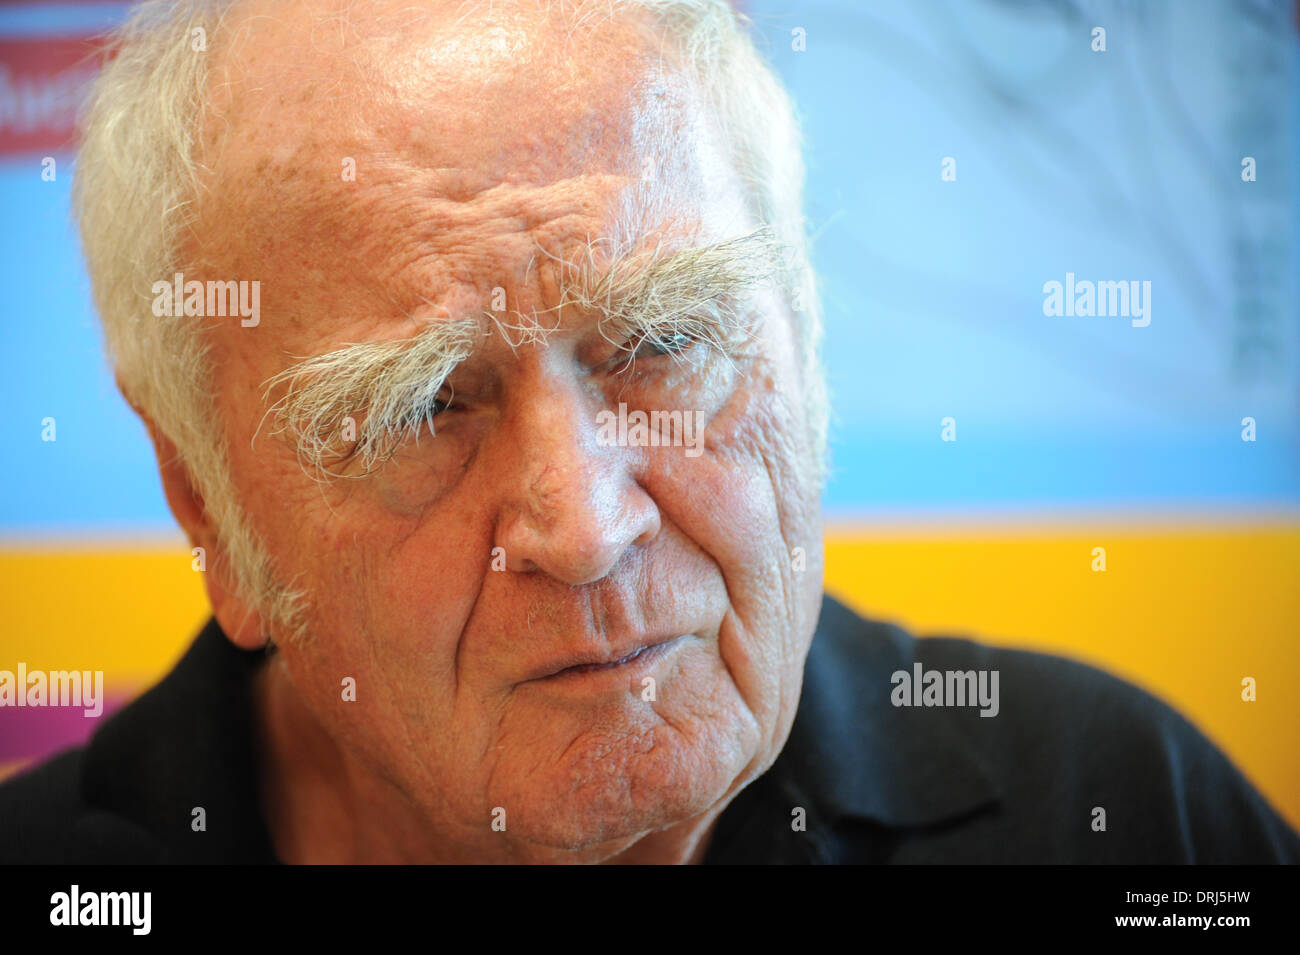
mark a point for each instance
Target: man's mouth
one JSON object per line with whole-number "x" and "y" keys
{"x": 641, "y": 656}
{"x": 592, "y": 667}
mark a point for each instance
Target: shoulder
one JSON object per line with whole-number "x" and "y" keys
{"x": 1076, "y": 745}
{"x": 44, "y": 819}
{"x": 180, "y": 753}
{"x": 1086, "y": 767}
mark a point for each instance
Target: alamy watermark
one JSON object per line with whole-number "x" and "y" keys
{"x": 653, "y": 429}
{"x": 1087, "y": 299}
{"x": 75, "y": 907}
{"x": 84, "y": 688}
{"x": 924, "y": 687}
{"x": 209, "y": 299}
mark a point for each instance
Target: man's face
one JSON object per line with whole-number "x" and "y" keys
{"x": 464, "y": 583}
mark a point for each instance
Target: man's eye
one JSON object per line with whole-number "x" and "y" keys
{"x": 430, "y": 409}
{"x": 663, "y": 343}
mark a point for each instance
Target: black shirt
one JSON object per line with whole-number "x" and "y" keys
{"x": 859, "y": 780}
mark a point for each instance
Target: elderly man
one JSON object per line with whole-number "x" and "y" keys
{"x": 478, "y": 344}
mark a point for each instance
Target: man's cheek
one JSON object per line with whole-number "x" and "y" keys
{"x": 383, "y": 631}
{"x": 733, "y": 502}
{"x": 418, "y": 576}
{"x": 380, "y": 701}
{"x": 700, "y": 699}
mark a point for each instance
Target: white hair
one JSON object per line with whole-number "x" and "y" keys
{"x": 137, "y": 177}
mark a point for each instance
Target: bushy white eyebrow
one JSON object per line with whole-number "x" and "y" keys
{"x": 384, "y": 389}
{"x": 703, "y": 293}
{"x": 380, "y": 389}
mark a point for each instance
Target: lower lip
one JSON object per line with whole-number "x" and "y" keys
{"x": 629, "y": 666}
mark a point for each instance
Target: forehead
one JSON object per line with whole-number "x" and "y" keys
{"x": 487, "y": 86}
{"x": 477, "y": 134}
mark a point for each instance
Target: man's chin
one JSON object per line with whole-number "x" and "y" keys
{"x": 607, "y": 791}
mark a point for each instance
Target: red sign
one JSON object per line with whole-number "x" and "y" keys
{"x": 43, "y": 81}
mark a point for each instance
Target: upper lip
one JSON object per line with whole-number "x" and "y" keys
{"x": 616, "y": 652}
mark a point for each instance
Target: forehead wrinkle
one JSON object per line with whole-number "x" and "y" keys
{"x": 451, "y": 238}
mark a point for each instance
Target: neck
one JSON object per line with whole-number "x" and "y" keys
{"x": 322, "y": 806}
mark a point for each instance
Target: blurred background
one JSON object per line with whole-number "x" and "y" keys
{"x": 961, "y": 154}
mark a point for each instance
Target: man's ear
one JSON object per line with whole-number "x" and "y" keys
{"x": 240, "y": 620}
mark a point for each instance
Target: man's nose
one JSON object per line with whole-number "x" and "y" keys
{"x": 572, "y": 507}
